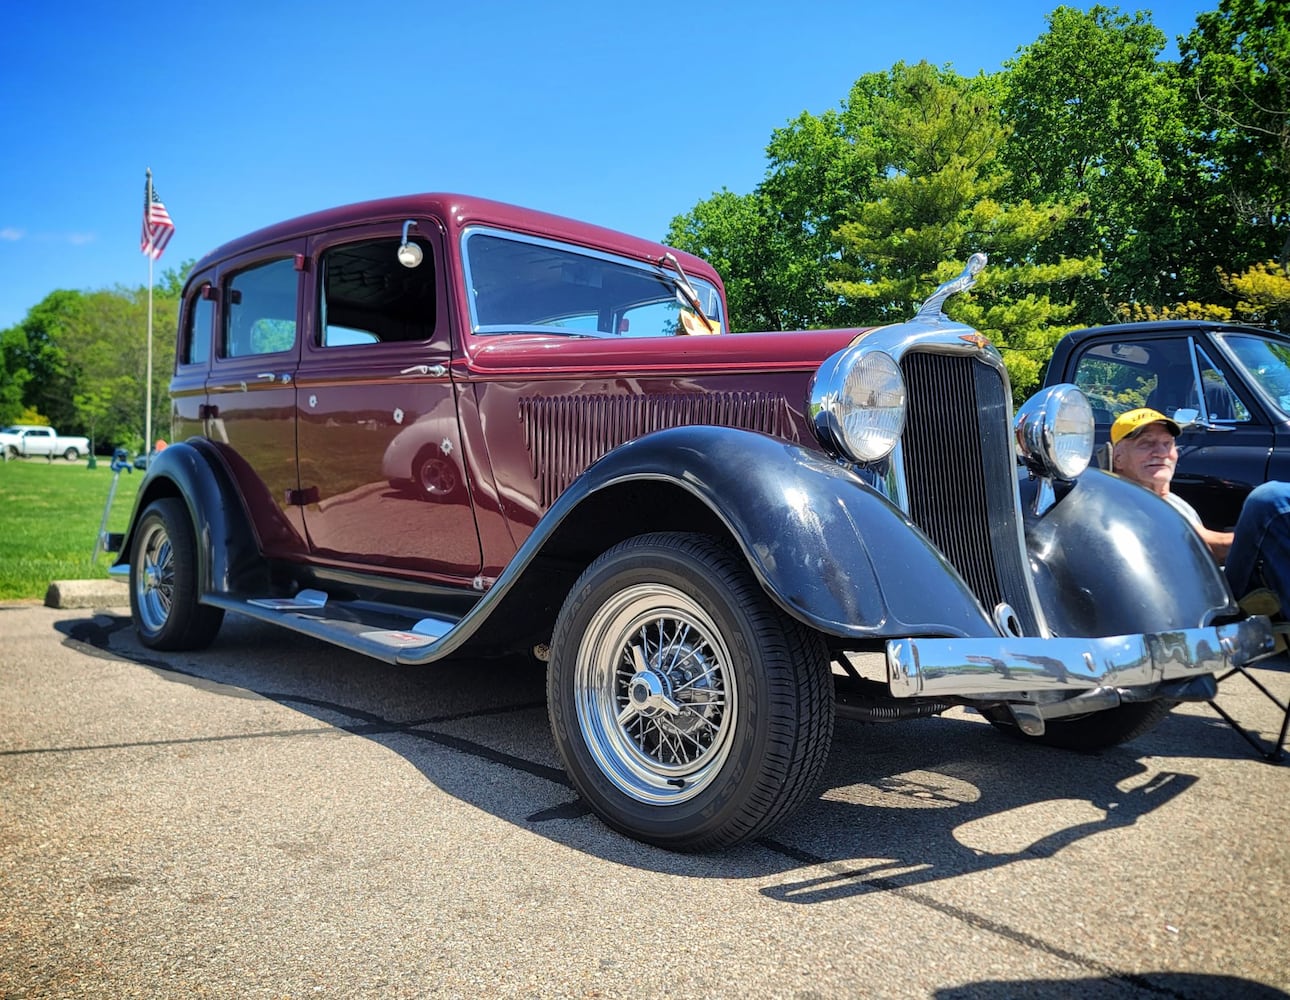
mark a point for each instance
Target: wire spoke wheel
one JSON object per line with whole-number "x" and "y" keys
{"x": 689, "y": 711}
{"x": 165, "y": 592}
{"x": 655, "y": 694}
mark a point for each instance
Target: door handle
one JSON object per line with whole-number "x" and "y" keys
{"x": 284, "y": 378}
{"x": 438, "y": 371}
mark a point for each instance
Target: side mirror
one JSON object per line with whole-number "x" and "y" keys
{"x": 409, "y": 254}
{"x": 1185, "y": 417}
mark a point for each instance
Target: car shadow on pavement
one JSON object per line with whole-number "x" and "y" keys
{"x": 900, "y": 805}
{"x": 1165, "y": 983}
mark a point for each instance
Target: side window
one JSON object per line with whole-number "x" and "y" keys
{"x": 201, "y": 322}
{"x": 368, "y": 297}
{"x": 1266, "y": 364}
{"x": 1175, "y": 387}
{"x": 1122, "y": 376}
{"x": 1161, "y": 374}
{"x": 260, "y": 313}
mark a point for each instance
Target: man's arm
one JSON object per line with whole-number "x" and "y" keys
{"x": 1219, "y": 542}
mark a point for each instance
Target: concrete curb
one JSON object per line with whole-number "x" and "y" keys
{"x": 87, "y": 594}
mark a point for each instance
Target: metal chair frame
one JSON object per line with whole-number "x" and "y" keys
{"x": 1275, "y": 752}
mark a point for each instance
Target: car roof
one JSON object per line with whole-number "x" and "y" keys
{"x": 1164, "y": 327}
{"x": 1149, "y": 328}
{"x": 458, "y": 212}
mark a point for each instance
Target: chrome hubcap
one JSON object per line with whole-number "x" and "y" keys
{"x": 155, "y": 582}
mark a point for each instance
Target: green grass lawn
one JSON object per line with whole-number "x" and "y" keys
{"x": 49, "y": 518}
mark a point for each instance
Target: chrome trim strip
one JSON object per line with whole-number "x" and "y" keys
{"x": 1025, "y": 668}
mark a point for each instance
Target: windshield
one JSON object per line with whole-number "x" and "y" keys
{"x": 521, "y": 284}
{"x": 1267, "y": 362}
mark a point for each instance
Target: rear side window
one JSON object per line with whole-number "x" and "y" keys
{"x": 201, "y": 324}
{"x": 260, "y": 315}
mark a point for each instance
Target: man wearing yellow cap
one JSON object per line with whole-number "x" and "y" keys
{"x": 1257, "y": 551}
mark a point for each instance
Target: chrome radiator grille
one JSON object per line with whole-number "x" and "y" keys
{"x": 960, "y": 472}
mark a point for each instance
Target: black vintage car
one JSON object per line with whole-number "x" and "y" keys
{"x": 1229, "y": 385}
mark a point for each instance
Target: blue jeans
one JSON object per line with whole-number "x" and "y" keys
{"x": 1260, "y": 554}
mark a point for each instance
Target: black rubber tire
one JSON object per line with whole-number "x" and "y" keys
{"x": 1095, "y": 731}
{"x": 72, "y": 454}
{"x": 767, "y": 694}
{"x": 164, "y": 587}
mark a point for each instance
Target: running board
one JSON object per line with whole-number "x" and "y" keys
{"x": 308, "y": 613}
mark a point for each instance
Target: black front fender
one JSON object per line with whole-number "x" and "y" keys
{"x": 1111, "y": 558}
{"x": 829, "y": 549}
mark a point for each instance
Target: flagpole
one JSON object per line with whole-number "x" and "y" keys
{"x": 147, "y": 416}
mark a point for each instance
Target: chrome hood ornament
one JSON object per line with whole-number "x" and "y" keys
{"x": 931, "y": 309}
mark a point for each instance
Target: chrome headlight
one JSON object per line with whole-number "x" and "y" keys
{"x": 1054, "y": 431}
{"x": 858, "y": 404}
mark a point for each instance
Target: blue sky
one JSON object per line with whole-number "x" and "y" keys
{"x": 622, "y": 114}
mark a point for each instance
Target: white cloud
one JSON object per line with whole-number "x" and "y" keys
{"x": 80, "y": 239}
{"x": 10, "y": 234}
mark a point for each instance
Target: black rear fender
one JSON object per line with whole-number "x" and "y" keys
{"x": 228, "y": 550}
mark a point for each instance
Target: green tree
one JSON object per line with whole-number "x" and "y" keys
{"x": 36, "y": 350}
{"x": 773, "y": 247}
{"x": 93, "y": 406}
{"x": 109, "y": 338}
{"x": 1235, "y": 69}
{"x": 1096, "y": 120}
{"x": 936, "y": 139}
{"x": 772, "y": 281}
{"x": 865, "y": 208}
{"x": 13, "y": 374}
{"x": 79, "y": 357}
{"x": 1262, "y": 292}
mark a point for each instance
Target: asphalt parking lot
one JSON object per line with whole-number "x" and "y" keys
{"x": 272, "y": 817}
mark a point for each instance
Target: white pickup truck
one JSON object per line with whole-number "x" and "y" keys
{"x": 31, "y": 439}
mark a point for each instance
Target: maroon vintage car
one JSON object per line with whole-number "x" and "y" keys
{"x": 434, "y": 425}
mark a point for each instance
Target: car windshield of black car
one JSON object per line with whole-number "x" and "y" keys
{"x": 1267, "y": 363}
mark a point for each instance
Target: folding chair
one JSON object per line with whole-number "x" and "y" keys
{"x": 1275, "y": 752}
{"x": 1262, "y": 602}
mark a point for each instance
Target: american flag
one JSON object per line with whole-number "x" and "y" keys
{"x": 157, "y": 227}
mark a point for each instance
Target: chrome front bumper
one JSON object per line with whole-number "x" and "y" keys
{"x": 1037, "y": 670}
